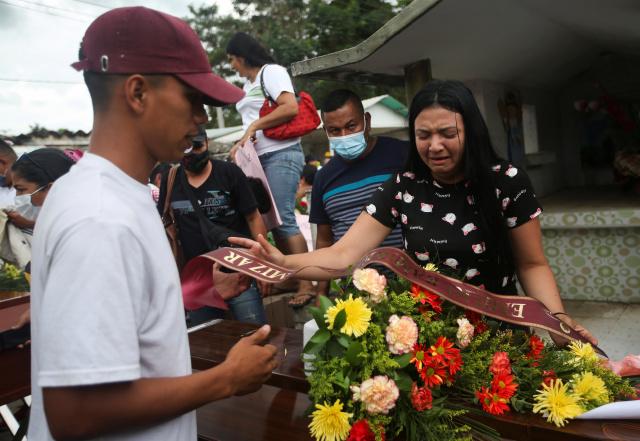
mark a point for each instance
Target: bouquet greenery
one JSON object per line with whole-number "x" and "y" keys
{"x": 391, "y": 359}
{"x": 12, "y": 279}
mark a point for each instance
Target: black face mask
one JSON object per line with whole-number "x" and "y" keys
{"x": 195, "y": 162}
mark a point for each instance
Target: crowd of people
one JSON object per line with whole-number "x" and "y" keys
{"x": 109, "y": 342}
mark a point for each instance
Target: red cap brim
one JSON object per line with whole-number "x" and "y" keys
{"x": 217, "y": 91}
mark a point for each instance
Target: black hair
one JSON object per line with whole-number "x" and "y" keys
{"x": 245, "y": 46}
{"x": 161, "y": 169}
{"x": 309, "y": 173}
{"x": 478, "y": 158}
{"x": 42, "y": 166}
{"x": 7, "y": 150}
{"x": 338, "y": 98}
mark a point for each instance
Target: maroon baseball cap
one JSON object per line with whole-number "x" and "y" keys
{"x": 139, "y": 40}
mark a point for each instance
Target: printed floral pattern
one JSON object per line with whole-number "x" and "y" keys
{"x": 440, "y": 223}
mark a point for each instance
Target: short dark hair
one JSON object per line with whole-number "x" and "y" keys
{"x": 6, "y": 150}
{"x": 244, "y": 45}
{"x": 161, "y": 169}
{"x": 338, "y": 98}
{"x": 42, "y": 166}
{"x": 478, "y": 158}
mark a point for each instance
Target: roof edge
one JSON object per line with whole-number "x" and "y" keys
{"x": 367, "y": 47}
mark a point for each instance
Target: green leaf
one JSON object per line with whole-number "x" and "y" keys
{"x": 318, "y": 316}
{"x": 403, "y": 360}
{"x": 403, "y": 381}
{"x": 312, "y": 347}
{"x": 341, "y": 319}
{"x": 344, "y": 341}
{"x": 325, "y": 303}
{"x": 321, "y": 336}
{"x": 334, "y": 349}
{"x": 352, "y": 353}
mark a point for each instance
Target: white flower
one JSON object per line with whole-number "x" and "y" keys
{"x": 408, "y": 198}
{"x": 401, "y": 335}
{"x": 465, "y": 333}
{"x": 369, "y": 280}
{"x": 449, "y": 218}
{"x": 371, "y": 209}
{"x": 426, "y": 208}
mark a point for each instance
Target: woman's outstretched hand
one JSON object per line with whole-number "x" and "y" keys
{"x": 260, "y": 248}
{"x": 560, "y": 341}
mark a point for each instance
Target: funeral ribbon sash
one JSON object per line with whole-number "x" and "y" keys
{"x": 519, "y": 310}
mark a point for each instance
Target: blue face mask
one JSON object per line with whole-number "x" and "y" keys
{"x": 351, "y": 146}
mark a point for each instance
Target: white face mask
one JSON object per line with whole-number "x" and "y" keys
{"x": 23, "y": 199}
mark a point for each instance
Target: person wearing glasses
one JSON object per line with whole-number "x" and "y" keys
{"x": 32, "y": 176}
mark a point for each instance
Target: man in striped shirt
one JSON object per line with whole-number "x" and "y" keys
{"x": 343, "y": 187}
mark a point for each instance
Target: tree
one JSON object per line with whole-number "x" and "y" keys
{"x": 294, "y": 30}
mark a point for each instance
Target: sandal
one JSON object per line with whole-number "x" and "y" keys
{"x": 301, "y": 299}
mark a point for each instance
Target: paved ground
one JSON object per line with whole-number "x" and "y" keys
{"x": 616, "y": 325}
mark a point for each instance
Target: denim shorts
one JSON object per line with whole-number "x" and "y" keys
{"x": 247, "y": 307}
{"x": 283, "y": 169}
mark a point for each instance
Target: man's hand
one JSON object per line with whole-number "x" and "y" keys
{"x": 250, "y": 362}
{"x": 260, "y": 248}
{"x": 561, "y": 341}
{"x": 264, "y": 288}
{"x": 19, "y": 221}
{"x": 229, "y": 285}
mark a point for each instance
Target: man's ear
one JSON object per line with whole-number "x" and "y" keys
{"x": 367, "y": 118}
{"x": 136, "y": 92}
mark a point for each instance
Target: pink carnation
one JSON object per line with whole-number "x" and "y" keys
{"x": 379, "y": 394}
{"x": 500, "y": 363}
{"x": 402, "y": 334}
{"x": 465, "y": 333}
{"x": 370, "y": 281}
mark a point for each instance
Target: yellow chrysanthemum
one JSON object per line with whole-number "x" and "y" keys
{"x": 591, "y": 388}
{"x": 556, "y": 404}
{"x": 330, "y": 423}
{"x": 583, "y": 351}
{"x": 358, "y": 316}
{"x": 431, "y": 267}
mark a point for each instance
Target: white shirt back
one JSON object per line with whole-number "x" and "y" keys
{"x": 276, "y": 81}
{"x": 106, "y": 303}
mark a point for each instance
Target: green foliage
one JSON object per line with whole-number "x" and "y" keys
{"x": 294, "y": 30}
{"x": 12, "y": 279}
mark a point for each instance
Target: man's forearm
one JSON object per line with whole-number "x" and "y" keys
{"x": 92, "y": 411}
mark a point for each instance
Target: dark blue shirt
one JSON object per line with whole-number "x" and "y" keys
{"x": 342, "y": 189}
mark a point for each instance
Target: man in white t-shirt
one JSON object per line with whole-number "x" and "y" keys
{"x": 110, "y": 354}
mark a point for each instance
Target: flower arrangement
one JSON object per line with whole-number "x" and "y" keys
{"x": 393, "y": 360}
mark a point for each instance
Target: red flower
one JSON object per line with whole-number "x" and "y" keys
{"x": 548, "y": 377}
{"x": 446, "y": 355}
{"x": 503, "y": 385}
{"x": 433, "y": 373}
{"x": 421, "y": 398}
{"x": 423, "y": 296}
{"x": 492, "y": 402}
{"x": 443, "y": 349}
{"x": 500, "y": 363}
{"x": 360, "y": 431}
{"x": 476, "y": 320}
{"x": 418, "y": 356}
{"x": 536, "y": 345}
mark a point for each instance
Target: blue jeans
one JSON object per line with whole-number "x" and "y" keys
{"x": 247, "y": 307}
{"x": 283, "y": 169}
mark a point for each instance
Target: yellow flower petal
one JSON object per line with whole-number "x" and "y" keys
{"x": 556, "y": 403}
{"x": 330, "y": 423}
{"x": 358, "y": 316}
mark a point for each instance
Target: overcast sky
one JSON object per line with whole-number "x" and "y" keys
{"x": 38, "y": 43}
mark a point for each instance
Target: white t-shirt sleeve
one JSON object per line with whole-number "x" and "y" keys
{"x": 276, "y": 80}
{"x": 91, "y": 307}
